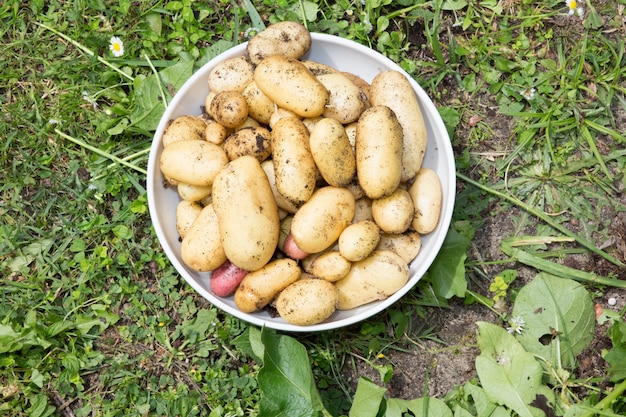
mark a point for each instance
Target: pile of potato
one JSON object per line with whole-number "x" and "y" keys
{"x": 301, "y": 186}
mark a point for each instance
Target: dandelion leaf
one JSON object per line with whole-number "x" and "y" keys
{"x": 559, "y": 317}
{"x": 509, "y": 374}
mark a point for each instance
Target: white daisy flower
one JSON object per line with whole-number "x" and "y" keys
{"x": 116, "y": 47}
{"x": 516, "y": 324}
{"x": 528, "y": 93}
{"x": 574, "y": 8}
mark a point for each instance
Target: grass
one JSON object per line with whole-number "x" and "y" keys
{"x": 93, "y": 318}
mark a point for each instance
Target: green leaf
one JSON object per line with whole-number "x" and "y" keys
{"x": 250, "y": 343}
{"x": 8, "y": 339}
{"x": 419, "y": 407}
{"x": 286, "y": 381}
{"x": 559, "y": 317}
{"x": 616, "y": 357}
{"x": 367, "y": 399}
{"x": 149, "y": 104}
{"x": 484, "y": 406}
{"x": 447, "y": 273}
{"x": 509, "y": 374}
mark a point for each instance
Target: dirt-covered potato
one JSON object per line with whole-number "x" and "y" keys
{"x": 194, "y": 162}
{"x": 332, "y": 152}
{"x": 329, "y": 265}
{"x": 320, "y": 221}
{"x": 186, "y": 214}
{"x": 260, "y": 106}
{"x": 193, "y": 192}
{"x": 255, "y": 141}
{"x": 407, "y": 245}
{"x": 393, "y": 89}
{"x": 282, "y": 202}
{"x": 374, "y": 278}
{"x": 287, "y": 38}
{"x": 346, "y": 101}
{"x": 248, "y": 216}
{"x": 307, "y": 302}
{"x": 427, "y": 194}
{"x": 215, "y": 132}
{"x": 294, "y": 166}
{"x": 378, "y": 151}
{"x": 232, "y": 74}
{"x": 289, "y": 84}
{"x": 394, "y": 213}
{"x": 201, "y": 248}
{"x": 229, "y": 108}
{"x": 359, "y": 240}
{"x": 184, "y": 128}
{"x": 261, "y": 286}
{"x": 317, "y": 68}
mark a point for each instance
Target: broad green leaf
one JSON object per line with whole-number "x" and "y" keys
{"x": 250, "y": 343}
{"x": 484, "y": 406}
{"x": 559, "y": 316}
{"x": 509, "y": 374}
{"x": 149, "y": 105}
{"x": 286, "y": 381}
{"x": 367, "y": 399}
{"x": 8, "y": 339}
{"x": 447, "y": 273}
{"x": 419, "y": 407}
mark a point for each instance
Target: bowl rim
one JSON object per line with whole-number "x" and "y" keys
{"x": 444, "y": 149}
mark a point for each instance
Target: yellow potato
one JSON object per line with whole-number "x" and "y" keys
{"x": 232, "y": 74}
{"x": 286, "y": 38}
{"x": 281, "y": 201}
{"x": 260, "y": 287}
{"x": 249, "y": 122}
{"x": 363, "y": 85}
{"x": 248, "y": 216}
{"x": 201, "y": 248}
{"x": 194, "y": 162}
{"x": 307, "y": 302}
{"x": 427, "y": 196}
{"x": 288, "y": 83}
{"x": 394, "y": 213}
{"x": 255, "y": 141}
{"x": 374, "y": 278}
{"x": 320, "y": 221}
{"x": 184, "y": 128}
{"x": 193, "y": 192}
{"x": 260, "y": 106}
{"x": 294, "y": 165}
{"x": 359, "y": 240}
{"x": 345, "y": 101}
{"x": 378, "y": 151}
{"x": 228, "y": 108}
{"x": 186, "y": 214}
{"x": 330, "y": 266}
{"x": 332, "y": 152}
{"x": 406, "y": 245}
{"x": 317, "y": 68}
{"x": 393, "y": 89}
{"x": 280, "y": 113}
{"x": 215, "y": 132}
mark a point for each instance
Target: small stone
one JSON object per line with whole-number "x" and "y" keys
{"x": 612, "y": 301}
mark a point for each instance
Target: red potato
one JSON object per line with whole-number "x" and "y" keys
{"x": 292, "y": 250}
{"x": 226, "y": 279}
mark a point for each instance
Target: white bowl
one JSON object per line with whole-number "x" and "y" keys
{"x": 344, "y": 55}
